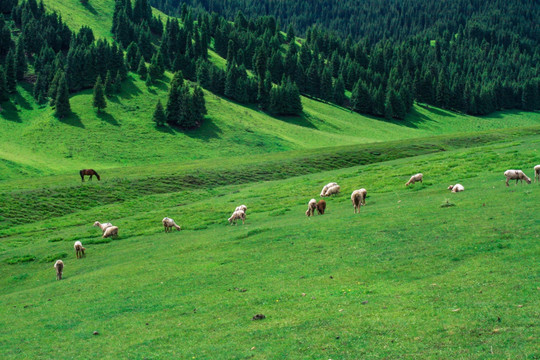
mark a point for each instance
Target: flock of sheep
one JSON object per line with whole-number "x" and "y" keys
{"x": 358, "y": 198}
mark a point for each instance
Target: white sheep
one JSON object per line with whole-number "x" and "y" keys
{"x": 103, "y": 226}
{"x": 311, "y": 207}
{"x": 237, "y": 215}
{"x": 537, "y": 173}
{"x": 415, "y": 178}
{"x": 332, "y": 190}
{"x": 329, "y": 185}
{"x": 59, "y": 266}
{"x": 358, "y": 198}
{"x": 110, "y": 231}
{"x": 516, "y": 175}
{"x": 79, "y": 249}
{"x": 456, "y": 188}
{"x": 169, "y": 223}
{"x": 241, "y": 208}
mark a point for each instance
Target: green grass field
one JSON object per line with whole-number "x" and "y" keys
{"x": 420, "y": 273}
{"x": 405, "y": 278}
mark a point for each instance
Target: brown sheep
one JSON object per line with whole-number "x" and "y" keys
{"x": 321, "y": 207}
{"x": 59, "y": 266}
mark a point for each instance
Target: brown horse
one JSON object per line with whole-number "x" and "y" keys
{"x": 90, "y": 172}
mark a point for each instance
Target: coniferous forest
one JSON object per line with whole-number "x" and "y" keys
{"x": 475, "y": 58}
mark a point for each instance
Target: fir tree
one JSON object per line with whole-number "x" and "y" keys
{"x": 98, "y": 99}
{"x": 290, "y": 33}
{"x": 159, "y": 117}
{"x": 20, "y": 60}
{"x": 11, "y": 76}
{"x": 361, "y": 99}
{"x": 4, "y": 94}
{"x": 53, "y": 87}
{"x": 198, "y": 106}
{"x": 141, "y": 69}
{"x": 174, "y": 102}
{"x": 118, "y": 83}
{"x": 62, "y": 106}
{"x": 149, "y": 81}
{"x": 108, "y": 85}
{"x": 339, "y": 91}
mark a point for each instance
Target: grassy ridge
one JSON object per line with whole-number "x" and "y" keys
{"x": 405, "y": 278}
{"x": 42, "y": 203}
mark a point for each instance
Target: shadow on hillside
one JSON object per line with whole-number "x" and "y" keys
{"x": 9, "y": 112}
{"x": 302, "y": 120}
{"x": 90, "y": 8}
{"x": 107, "y": 118}
{"x": 207, "y": 131}
{"x": 166, "y": 129}
{"x": 129, "y": 90}
{"x": 73, "y": 120}
{"x": 437, "y": 111}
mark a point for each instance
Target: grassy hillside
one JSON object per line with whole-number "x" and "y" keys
{"x": 405, "y": 278}
{"x": 34, "y": 142}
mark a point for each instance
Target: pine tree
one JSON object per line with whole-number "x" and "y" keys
{"x": 11, "y": 76}
{"x": 313, "y": 80}
{"x": 174, "y": 101}
{"x": 98, "y": 98}
{"x": 62, "y": 106}
{"x": 141, "y": 69}
{"x": 198, "y": 106}
{"x": 326, "y": 84}
{"x": 361, "y": 98}
{"x": 118, "y": 83}
{"x": 339, "y": 91}
{"x": 108, "y": 84}
{"x": 20, "y": 60}
{"x": 264, "y": 88}
{"x": 4, "y": 94}
{"x": 388, "y": 110}
{"x": 159, "y": 117}
{"x": 290, "y": 33}
{"x": 133, "y": 56}
{"x": 149, "y": 81}
{"x": 53, "y": 87}
{"x": 293, "y": 98}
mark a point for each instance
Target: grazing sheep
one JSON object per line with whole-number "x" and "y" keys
{"x": 237, "y": 215}
{"x": 79, "y": 249}
{"x": 110, "y": 231}
{"x": 102, "y": 226}
{"x": 326, "y": 187}
{"x": 516, "y": 175}
{"x": 312, "y": 205}
{"x": 59, "y": 266}
{"x": 169, "y": 223}
{"x": 358, "y": 198}
{"x": 333, "y": 190}
{"x": 321, "y": 207}
{"x": 456, "y": 188}
{"x": 241, "y": 208}
{"x": 415, "y": 178}
{"x": 537, "y": 173}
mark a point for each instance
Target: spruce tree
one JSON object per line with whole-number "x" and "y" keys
{"x": 159, "y": 117}
{"x": 4, "y": 94}
{"x": 11, "y": 76}
{"x": 53, "y": 87}
{"x": 173, "y": 101}
{"x": 141, "y": 69}
{"x": 339, "y": 91}
{"x": 313, "y": 80}
{"x": 108, "y": 85}
{"x": 118, "y": 83}
{"x": 198, "y": 106}
{"x": 20, "y": 60}
{"x": 361, "y": 98}
{"x": 98, "y": 98}
{"x": 149, "y": 81}
{"x": 326, "y": 84}
{"x": 290, "y": 33}
{"x": 62, "y": 106}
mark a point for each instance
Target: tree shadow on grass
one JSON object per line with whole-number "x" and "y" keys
{"x": 73, "y": 120}
{"x": 107, "y": 118}
{"x": 90, "y": 8}
{"x": 9, "y": 112}
{"x": 207, "y": 131}
{"x": 129, "y": 90}
{"x": 437, "y": 111}
{"x": 22, "y": 102}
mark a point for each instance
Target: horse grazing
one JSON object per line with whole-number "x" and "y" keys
{"x": 90, "y": 172}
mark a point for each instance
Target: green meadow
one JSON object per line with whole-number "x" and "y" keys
{"x": 420, "y": 273}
